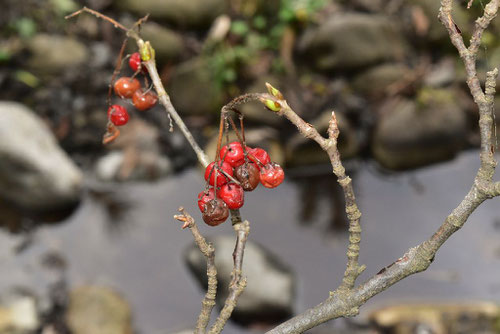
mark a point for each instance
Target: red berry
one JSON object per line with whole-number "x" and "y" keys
{"x": 144, "y": 101}
{"x": 118, "y": 115}
{"x": 204, "y": 197}
{"x": 271, "y": 175}
{"x": 259, "y": 156}
{"x": 216, "y": 212}
{"x": 248, "y": 175}
{"x": 135, "y": 62}
{"x": 125, "y": 87}
{"x": 221, "y": 178}
{"x": 232, "y": 195}
{"x": 232, "y": 153}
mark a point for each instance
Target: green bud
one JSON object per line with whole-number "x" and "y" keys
{"x": 147, "y": 52}
{"x": 274, "y": 92}
{"x": 271, "y": 105}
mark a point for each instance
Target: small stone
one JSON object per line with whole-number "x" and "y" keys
{"x": 53, "y": 54}
{"x": 270, "y": 292}
{"x": 18, "y": 313}
{"x": 98, "y": 310}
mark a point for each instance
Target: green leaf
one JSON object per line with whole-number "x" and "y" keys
{"x": 27, "y": 78}
{"x": 25, "y": 27}
{"x": 239, "y": 28}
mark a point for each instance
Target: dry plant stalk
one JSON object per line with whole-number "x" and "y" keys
{"x": 347, "y": 298}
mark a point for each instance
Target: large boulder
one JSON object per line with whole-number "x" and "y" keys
{"x": 349, "y": 41}
{"x": 35, "y": 173}
{"x": 410, "y": 133}
{"x": 270, "y": 292}
{"x": 192, "y": 13}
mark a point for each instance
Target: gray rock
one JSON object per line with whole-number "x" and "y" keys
{"x": 301, "y": 151}
{"x": 375, "y": 81}
{"x": 352, "y": 40}
{"x": 411, "y": 134}
{"x": 192, "y": 13}
{"x": 270, "y": 291}
{"x": 168, "y": 44}
{"x": 98, "y": 310}
{"x": 35, "y": 173}
{"x": 53, "y": 54}
{"x": 192, "y": 89}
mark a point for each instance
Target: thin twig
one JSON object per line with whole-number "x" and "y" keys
{"x": 238, "y": 282}
{"x": 208, "y": 251}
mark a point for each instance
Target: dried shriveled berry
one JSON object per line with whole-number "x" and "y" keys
{"x": 118, "y": 115}
{"x": 221, "y": 178}
{"x": 216, "y": 212}
{"x": 144, "y": 100}
{"x": 248, "y": 176}
{"x": 125, "y": 87}
{"x": 232, "y": 194}
{"x": 204, "y": 197}
{"x": 232, "y": 153}
{"x": 134, "y": 62}
{"x": 259, "y": 156}
{"x": 271, "y": 175}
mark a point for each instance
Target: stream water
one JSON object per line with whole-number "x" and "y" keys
{"x": 138, "y": 248}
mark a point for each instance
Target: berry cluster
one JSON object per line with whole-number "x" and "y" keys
{"x": 130, "y": 88}
{"x": 237, "y": 171}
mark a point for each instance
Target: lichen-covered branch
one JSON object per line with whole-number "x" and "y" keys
{"x": 347, "y": 302}
{"x": 238, "y": 282}
{"x": 208, "y": 251}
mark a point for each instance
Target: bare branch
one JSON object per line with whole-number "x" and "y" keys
{"x": 208, "y": 251}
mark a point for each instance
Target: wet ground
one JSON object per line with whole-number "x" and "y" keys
{"x": 130, "y": 241}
